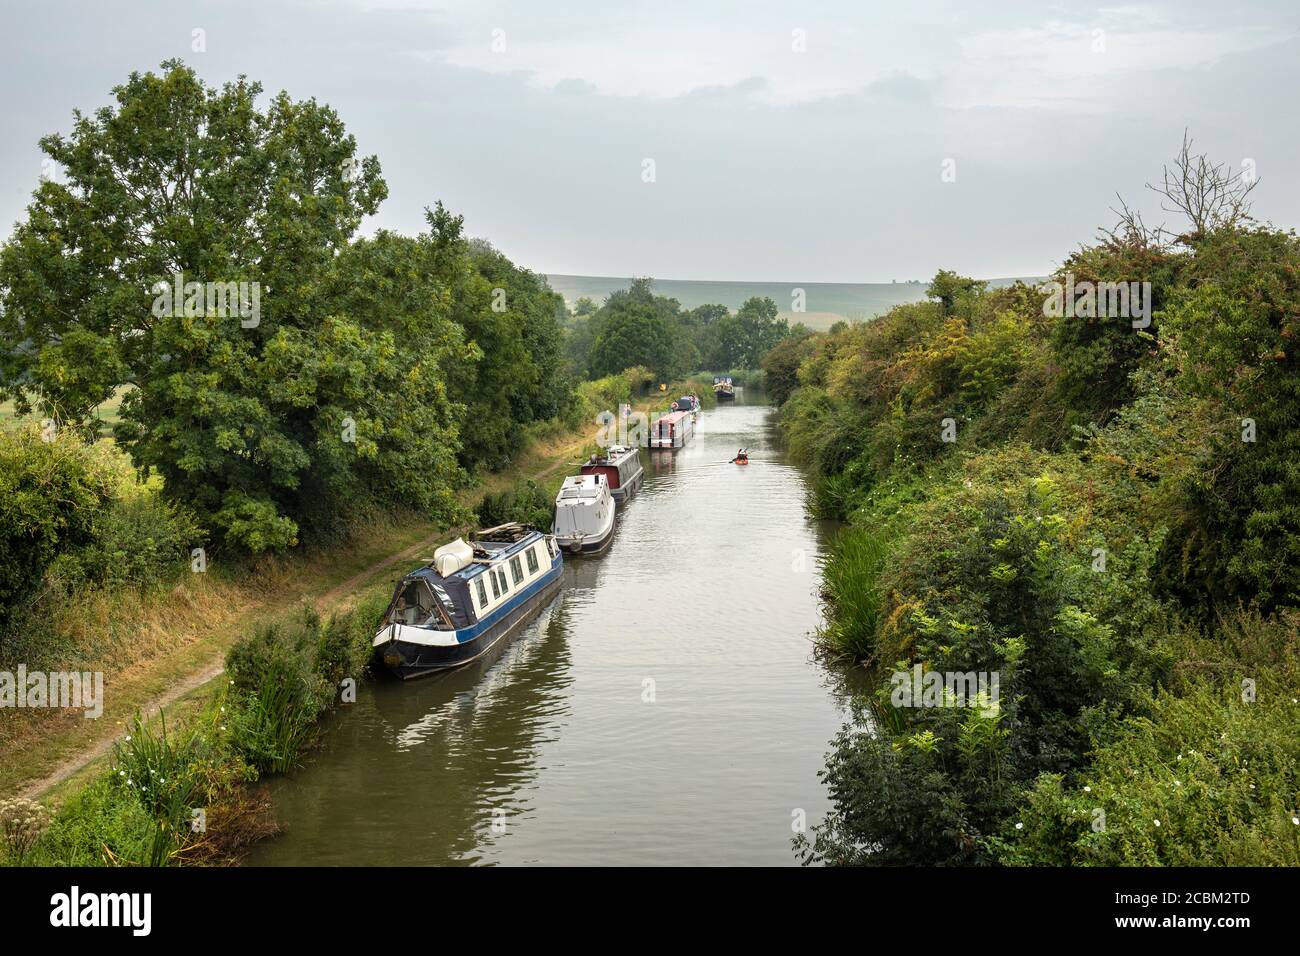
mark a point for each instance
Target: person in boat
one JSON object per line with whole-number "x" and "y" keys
{"x": 741, "y": 455}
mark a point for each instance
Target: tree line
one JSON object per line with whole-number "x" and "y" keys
{"x": 637, "y": 327}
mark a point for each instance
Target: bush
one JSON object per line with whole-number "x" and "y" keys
{"x": 276, "y": 695}
{"x": 51, "y": 494}
{"x": 899, "y": 802}
{"x": 140, "y": 540}
{"x": 22, "y": 822}
{"x": 603, "y": 395}
{"x": 526, "y": 503}
{"x": 168, "y": 777}
{"x": 345, "y": 643}
{"x": 1216, "y": 761}
{"x": 851, "y": 582}
{"x": 101, "y": 825}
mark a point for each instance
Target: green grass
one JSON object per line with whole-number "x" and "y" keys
{"x": 108, "y": 413}
{"x": 851, "y": 577}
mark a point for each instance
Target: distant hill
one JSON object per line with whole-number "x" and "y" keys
{"x": 826, "y": 302}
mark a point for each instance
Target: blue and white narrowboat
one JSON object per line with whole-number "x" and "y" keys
{"x": 473, "y": 594}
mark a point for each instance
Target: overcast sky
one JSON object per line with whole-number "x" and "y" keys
{"x": 790, "y": 141}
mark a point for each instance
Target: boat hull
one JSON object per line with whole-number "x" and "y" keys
{"x": 625, "y": 491}
{"x": 409, "y": 660}
{"x": 589, "y": 545}
{"x": 725, "y": 396}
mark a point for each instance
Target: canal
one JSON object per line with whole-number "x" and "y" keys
{"x": 666, "y": 709}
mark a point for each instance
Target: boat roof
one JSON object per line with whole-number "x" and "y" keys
{"x": 673, "y": 416}
{"x": 581, "y": 486}
{"x": 497, "y": 551}
{"x": 612, "y": 455}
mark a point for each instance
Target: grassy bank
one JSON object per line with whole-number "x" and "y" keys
{"x": 1082, "y": 509}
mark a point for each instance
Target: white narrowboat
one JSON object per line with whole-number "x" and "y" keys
{"x": 584, "y": 514}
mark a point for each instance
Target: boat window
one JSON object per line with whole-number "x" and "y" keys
{"x": 496, "y": 591}
{"x": 516, "y": 569}
{"x": 531, "y": 554}
{"x": 504, "y": 588}
{"x": 482, "y": 591}
{"x": 448, "y": 609}
{"x": 414, "y": 605}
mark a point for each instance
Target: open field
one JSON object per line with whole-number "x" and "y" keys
{"x": 825, "y": 302}
{"x": 107, "y": 413}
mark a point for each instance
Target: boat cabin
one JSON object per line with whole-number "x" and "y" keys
{"x": 671, "y": 431}
{"x": 466, "y": 581}
{"x": 621, "y": 467}
{"x": 584, "y": 514}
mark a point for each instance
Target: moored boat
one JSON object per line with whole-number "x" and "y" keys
{"x": 723, "y": 390}
{"x": 584, "y": 514}
{"x": 469, "y": 597}
{"x": 672, "y": 430}
{"x": 622, "y": 469}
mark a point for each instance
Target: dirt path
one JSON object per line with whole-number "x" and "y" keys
{"x": 101, "y": 749}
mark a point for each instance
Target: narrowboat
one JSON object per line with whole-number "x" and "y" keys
{"x": 672, "y": 430}
{"x": 584, "y": 515}
{"x": 622, "y": 469}
{"x": 469, "y": 597}
{"x": 723, "y": 390}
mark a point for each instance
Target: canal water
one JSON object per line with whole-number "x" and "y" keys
{"x": 667, "y": 708}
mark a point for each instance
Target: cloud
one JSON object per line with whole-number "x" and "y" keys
{"x": 1074, "y": 65}
{"x": 801, "y": 57}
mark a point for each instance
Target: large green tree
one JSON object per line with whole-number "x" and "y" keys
{"x": 741, "y": 340}
{"x": 636, "y": 327}
{"x": 515, "y": 318}
{"x": 258, "y": 416}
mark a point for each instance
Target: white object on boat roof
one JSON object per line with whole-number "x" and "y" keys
{"x": 450, "y": 558}
{"x": 580, "y": 486}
